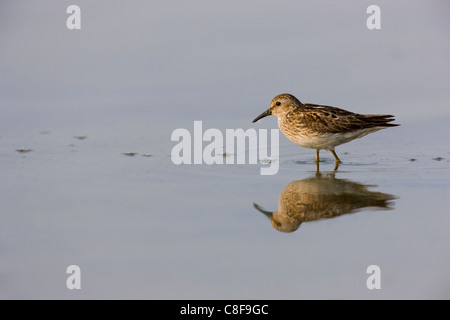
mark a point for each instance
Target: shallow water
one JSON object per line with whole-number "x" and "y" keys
{"x": 87, "y": 177}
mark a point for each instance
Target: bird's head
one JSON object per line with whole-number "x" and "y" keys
{"x": 280, "y": 105}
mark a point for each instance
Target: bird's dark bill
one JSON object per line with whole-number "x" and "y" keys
{"x": 268, "y": 214}
{"x": 262, "y": 115}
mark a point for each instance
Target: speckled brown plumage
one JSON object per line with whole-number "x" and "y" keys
{"x": 322, "y": 127}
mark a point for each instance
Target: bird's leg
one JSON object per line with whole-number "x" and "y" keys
{"x": 335, "y": 156}
{"x": 317, "y": 155}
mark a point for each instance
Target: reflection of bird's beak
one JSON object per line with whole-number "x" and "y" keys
{"x": 268, "y": 214}
{"x": 262, "y": 115}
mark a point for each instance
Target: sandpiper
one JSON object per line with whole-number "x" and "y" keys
{"x": 322, "y": 127}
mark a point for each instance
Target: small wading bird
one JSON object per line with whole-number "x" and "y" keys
{"x": 322, "y": 127}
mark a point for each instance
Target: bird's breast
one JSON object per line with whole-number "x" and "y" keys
{"x": 298, "y": 133}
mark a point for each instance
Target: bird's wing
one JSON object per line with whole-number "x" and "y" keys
{"x": 327, "y": 119}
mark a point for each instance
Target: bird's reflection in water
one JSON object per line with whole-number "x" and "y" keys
{"x": 321, "y": 197}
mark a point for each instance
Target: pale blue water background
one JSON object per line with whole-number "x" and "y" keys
{"x": 141, "y": 227}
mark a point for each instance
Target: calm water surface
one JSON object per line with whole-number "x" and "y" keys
{"x": 92, "y": 112}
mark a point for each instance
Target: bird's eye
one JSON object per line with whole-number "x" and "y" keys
{"x": 278, "y": 103}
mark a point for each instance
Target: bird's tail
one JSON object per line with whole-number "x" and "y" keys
{"x": 380, "y": 120}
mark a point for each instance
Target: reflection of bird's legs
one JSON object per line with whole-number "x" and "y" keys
{"x": 336, "y": 167}
{"x": 318, "y": 173}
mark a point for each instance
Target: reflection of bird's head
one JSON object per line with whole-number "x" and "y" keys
{"x": 281, "y": 222}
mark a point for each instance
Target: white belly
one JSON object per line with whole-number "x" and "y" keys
{"x": 328, "y": 140}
